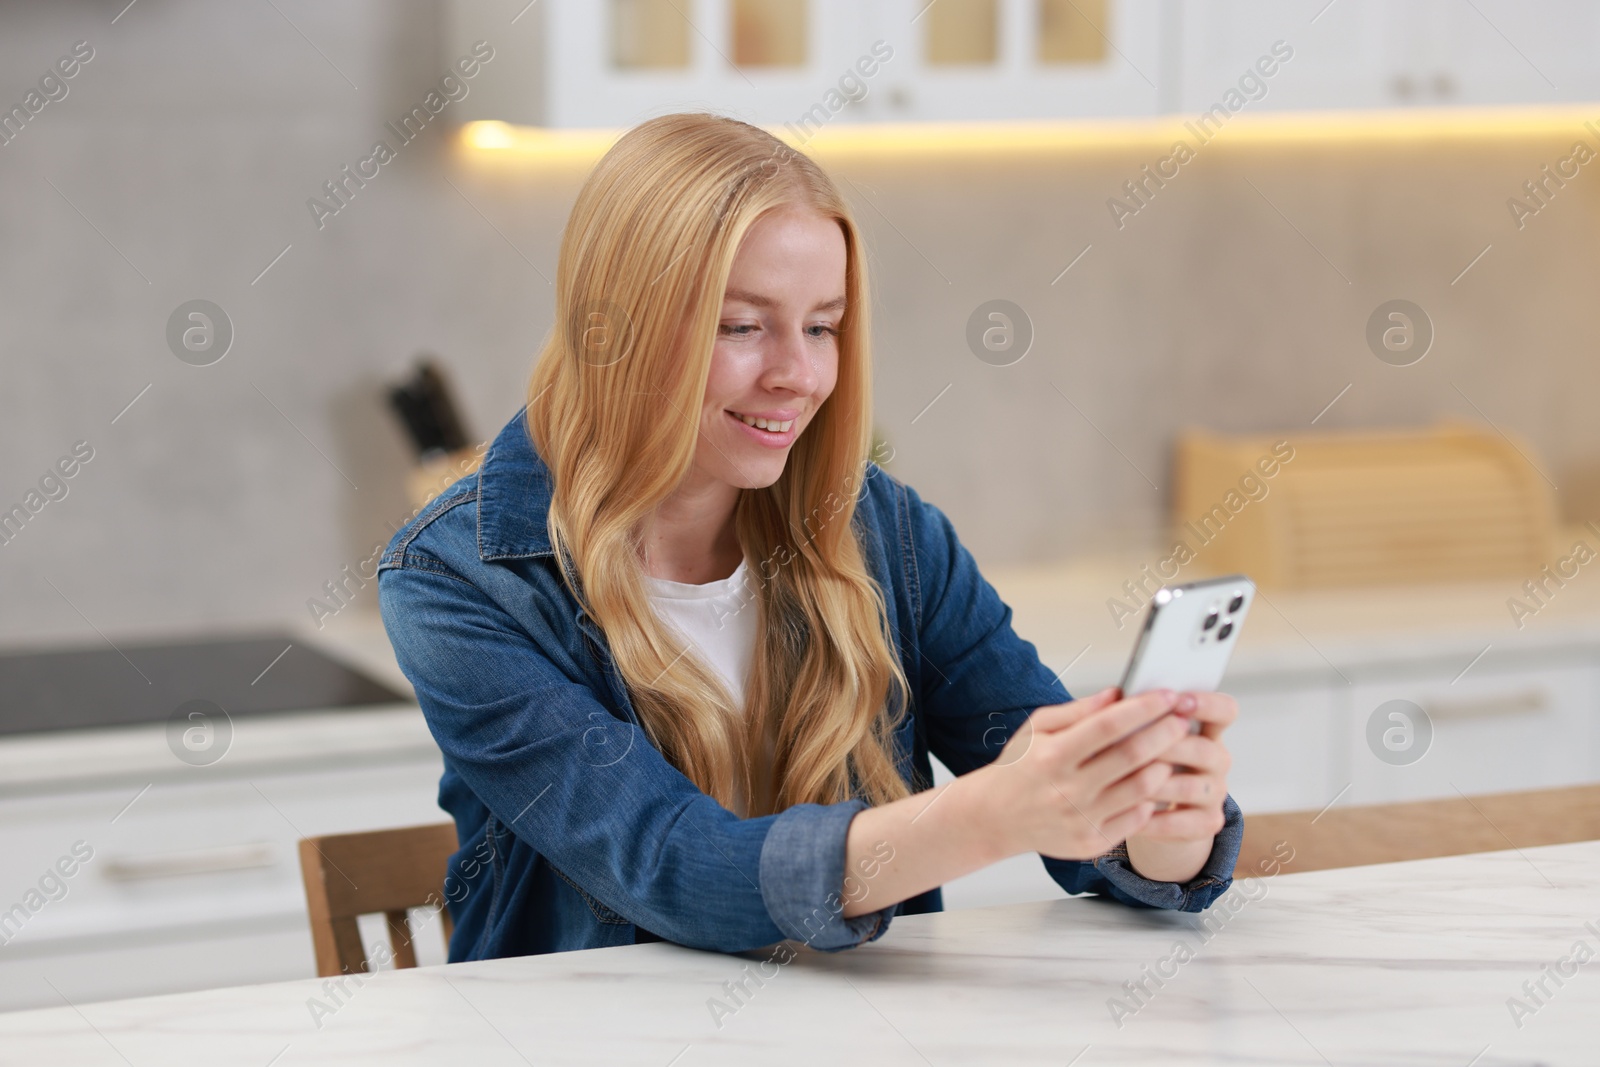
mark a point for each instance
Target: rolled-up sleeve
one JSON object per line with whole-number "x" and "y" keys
{"x": 979, "y": 683}
{"x": 803, "y": 862}
{"x": 584, "y": 788}
{"x": 1111, "y": 874}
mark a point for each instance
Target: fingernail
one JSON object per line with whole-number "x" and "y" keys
{"x": 1187, "y": 702}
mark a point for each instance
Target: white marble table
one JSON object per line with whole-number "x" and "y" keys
{"x": 1409, "y": 963}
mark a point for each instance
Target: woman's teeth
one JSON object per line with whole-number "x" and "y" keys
{"x": 765, "y": 424}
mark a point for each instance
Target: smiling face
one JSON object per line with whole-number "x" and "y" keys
{"x": 776, "y": 356}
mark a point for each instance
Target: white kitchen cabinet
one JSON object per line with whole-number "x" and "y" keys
{"x": 1517, "y": 52}
{"x": 1282, "y": 742}
{"x": 1515, "y": 721}
{"x": 558, "y": 66}
{"x": 1339, "y": 61}
{"x": 1125, "y": 81}
{"x": 562, "y": 64}
{"x": 194, "y": 879}
{"x": 1496, "y": 729}
{"x": 1363, "y": 54}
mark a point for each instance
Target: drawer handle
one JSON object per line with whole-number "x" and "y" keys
{"x": 1526, "y": 702}
{"x": 197, "y": 861}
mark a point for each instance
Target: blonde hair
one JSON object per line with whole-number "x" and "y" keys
{"x": 614, "y": 410}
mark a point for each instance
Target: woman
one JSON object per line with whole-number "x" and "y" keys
{"x": 686, "y": 648}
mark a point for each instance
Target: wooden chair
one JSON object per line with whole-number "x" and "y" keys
{"x": 1454, "y": 826}
{"x": 387, "y": 871}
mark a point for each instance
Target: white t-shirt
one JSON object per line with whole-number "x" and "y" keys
{"x": 717, "y": 618}
{"x": 719, "y": 621}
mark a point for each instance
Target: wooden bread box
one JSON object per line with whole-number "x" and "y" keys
{"x": 1449, "y": 503}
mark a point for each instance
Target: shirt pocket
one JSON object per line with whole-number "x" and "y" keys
{"x": 906, "y": 732}
{"x": 904, "y": 740}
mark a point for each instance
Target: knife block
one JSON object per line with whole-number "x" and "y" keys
{"x": 433, "y": 476}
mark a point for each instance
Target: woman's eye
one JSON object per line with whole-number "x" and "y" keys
{"x": 821, "y": 330}
{"x": 736, "y": 329}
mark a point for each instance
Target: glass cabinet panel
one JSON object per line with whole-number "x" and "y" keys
{"x": 649, "y": 34}
{"x": 961, "y": 32}
{"x": 769, "y": 33}
{"x": 1073, "y": 31}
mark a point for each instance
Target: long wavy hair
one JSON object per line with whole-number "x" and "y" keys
{"x": 614, "y": 410}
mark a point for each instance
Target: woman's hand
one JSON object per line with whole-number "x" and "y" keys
{"x": 1075, "y": 781}
{"x": 1175, "y": 843}
{"x": 1079, "y": 778}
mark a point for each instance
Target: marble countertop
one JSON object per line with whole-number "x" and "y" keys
{"x": 1408, "y": 963}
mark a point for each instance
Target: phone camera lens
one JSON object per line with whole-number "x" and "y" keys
{"x": 1222, "y": 634}
{"x": 1236, "y": 603}
{"x": 1211, "y": 620}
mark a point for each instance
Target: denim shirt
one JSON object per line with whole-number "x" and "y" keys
{"x": 575, "y": 832}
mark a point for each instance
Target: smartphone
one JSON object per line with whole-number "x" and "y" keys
{"x": 1188, "y": 634}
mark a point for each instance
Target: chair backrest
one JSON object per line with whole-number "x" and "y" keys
{"x": 1386, "y": 833}
{"x": 384, "y": 871}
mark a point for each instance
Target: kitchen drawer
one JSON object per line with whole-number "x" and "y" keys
{"x": 173, "y": 962}
{"x": 186, "y": 863}
{"x": 1492, "y": 731}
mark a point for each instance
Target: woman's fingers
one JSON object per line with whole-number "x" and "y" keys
{"x": 1212, "y": 707}
{"x": 1146, "y": 783}
{"x": 1215, "y": 712}
{"x": 1191, "y": 790}
{"x": 1133, "y": 752}
{"x": 1086, "y": 725}
{"x": 1200, "y": 753}
{"x": 1045, "y": 720}
{"x": 1122, "y": 717}
{"x": 1120, "y": 827}
{"x": 1054, "y": 717}
{"x": 1096, "y": 733}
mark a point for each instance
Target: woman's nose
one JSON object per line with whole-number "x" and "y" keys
{"x": 791, "y": 365}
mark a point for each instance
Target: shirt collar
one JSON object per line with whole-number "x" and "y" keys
{"x": 514, "y": 494}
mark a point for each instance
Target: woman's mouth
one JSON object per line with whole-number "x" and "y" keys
{"x": 772, "y": 432}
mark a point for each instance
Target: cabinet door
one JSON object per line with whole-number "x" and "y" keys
{"x": 1343, "y": 60}
{"x": 1281, "y": 744}
{"x": 1494, "y": 731}
{"x": 1513, "y": 52}
{"x": 180, "y": 875}
{"x": 966, "y": 60}
{"x": 1361, "y": 54}
{"x": 614, "y": 63}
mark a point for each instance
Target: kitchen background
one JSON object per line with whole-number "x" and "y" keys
{"x": 1378, "y": 162}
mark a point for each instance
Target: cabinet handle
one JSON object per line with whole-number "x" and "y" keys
{"x": 197, "y": 861}
{"x": 1527, "y": 702}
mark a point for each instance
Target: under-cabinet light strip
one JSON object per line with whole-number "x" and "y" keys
{"x": 964, "y": 138}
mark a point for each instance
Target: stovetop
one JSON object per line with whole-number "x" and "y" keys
{"x": 87, "y": 687}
